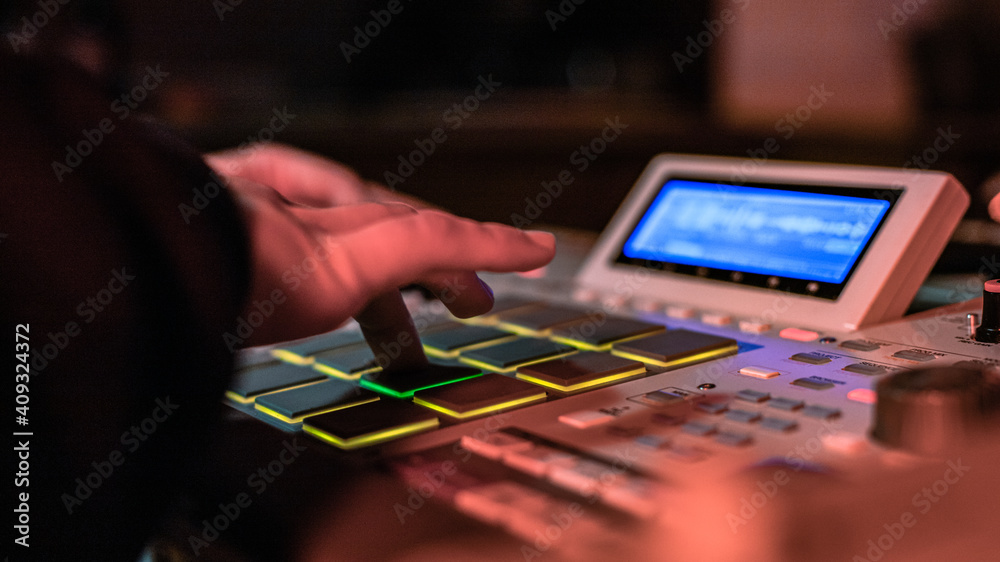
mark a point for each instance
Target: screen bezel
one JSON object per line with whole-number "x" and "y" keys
{"x": 815, "y": 288}
{"x": 880, "y": 288}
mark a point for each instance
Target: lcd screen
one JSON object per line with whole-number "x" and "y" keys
{"x": 807, "y": 239}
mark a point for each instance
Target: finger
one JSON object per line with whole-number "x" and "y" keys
{"x": 994, "y": 208}
{"x": 336, "y": 220}
{"x": 302, "y": 177}
{"x": 463, "y": 292}
{"x": 391, "y": 334}
{"x": 393, "y": 253}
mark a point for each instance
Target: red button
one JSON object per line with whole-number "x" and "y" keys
{"x": 798, "y": 334}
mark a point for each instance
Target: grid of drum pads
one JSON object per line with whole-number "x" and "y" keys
{"x": 333, "y": 387}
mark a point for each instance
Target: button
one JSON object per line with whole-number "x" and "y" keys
{"x": 505, "y": 306}
{"x": 734, "y": 439}
{"x": 713, "y": 407}
{"x": 448, "y": 339}
{"x": 687, "y": 453}
{"x": 754, "y": 327}
{"x": 479, "y": 396}
{"x": 582, "y": 371}
{"x": 698, "y": 428}
{"x": 675, "y": 348}
{"x": 742, "y": 416}
{"x": 821, "y": 412}
{"x": 494, "y": 445}
{"x": 815, "y": 383}
{"x": 914, "y": 355}
{"x": 787, "y": 404}
{"x": 506, "y": 357}
{"x": 349, "y": 363}
{"x": 598, "y": 336}
{"x": 716, "y": 319}
{"x": 662, "y": 397}
{"x": 860, "y": 345}
{"x": 863, "y": 395}
{"x": 538, "y": 461}
{"x": 301, "y": 353}
{"x": 652, "y": 441}
{"x": 866, "y": 369}
{"x": 269, "y": 377}
{"x": 811, "y": 358}
{"x": 291, "y": 406}
{"x": 585, "y": 477}
{"x": 402, "y": 384}
{"x": 798, "y": 334}
{"x": 778, "y": 424}
{"x": 681, "y": 312}
{"x": 752, "y": 395}
{"x": 759, "y": 372}
{"x": 585, "y": 418}
{"x": 538, "y": 321}
{"x": 369, "y": 424}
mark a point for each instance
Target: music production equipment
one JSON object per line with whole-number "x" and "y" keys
{"x": 734, "y": 318}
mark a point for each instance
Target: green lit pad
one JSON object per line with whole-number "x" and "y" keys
{"x": 332, "y": 394}
{"x": 300, "y": 352}
{"x": 402, "y": 384}
{"x": 538, "y": 320}
{"x": 506, "y": 357}
{"x": 582, "y": 371}
{"x": 368, "y": 424}
{"x": 479, "y": 396}
{"x": 262, "y": 379}
{"x": 676, "y": 348}
{"x": 449, "y": 339}
{"x": 598, "y": 336}
{"x": 348, "y": 363}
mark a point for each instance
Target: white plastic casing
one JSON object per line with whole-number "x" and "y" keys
{"x": 882, "y": 286}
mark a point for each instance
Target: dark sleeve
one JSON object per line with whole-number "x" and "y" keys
{"x": 125, "y": 262}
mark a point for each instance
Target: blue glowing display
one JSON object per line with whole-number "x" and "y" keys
{"x": 797, "y": 234}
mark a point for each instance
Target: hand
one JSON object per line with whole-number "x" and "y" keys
{"x": 328, "y": 261}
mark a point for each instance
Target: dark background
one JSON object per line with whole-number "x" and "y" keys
{"x": 230, "y": 66}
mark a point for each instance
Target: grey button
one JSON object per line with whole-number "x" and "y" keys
{"x": 698, "y": 428}
{"x": 752, "y": 395}
{"x": 914, "y": 355}
{"x": 860, "y": 345}
{"x": 734, "y": 439}
{"x": 811, "y": 358}
{"x": 713, "y": 407}
{"x": 813, "y": 383}
{"x": 821, "y": 412}
{"x": 865, "y": 369}
{"x": 778, "y": 424}
{"x": 788, "y": 404}
{"x": 743, "y": 416}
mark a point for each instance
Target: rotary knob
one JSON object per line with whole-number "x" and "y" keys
{"x": 989, "y": 329}
{"x": 932, "y": 411}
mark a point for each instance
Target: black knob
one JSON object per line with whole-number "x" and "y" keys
{"x": 932, "y": 411}
{"x": 989, "y": 330}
